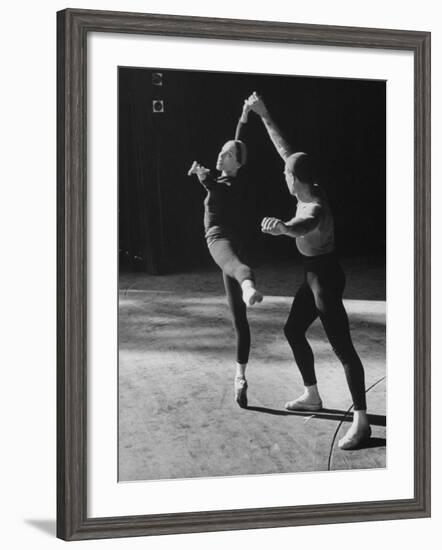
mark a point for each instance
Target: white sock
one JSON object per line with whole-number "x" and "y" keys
{"x": 249, "y": 293}
{"x": 312, "y": 393}
{"x": 247, "y": 284}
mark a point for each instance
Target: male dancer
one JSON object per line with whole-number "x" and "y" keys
{"x": 225, "y": 240}
{"x": 323, "y": 286}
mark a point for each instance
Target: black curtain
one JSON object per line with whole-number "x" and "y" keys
{"x": 341, "y": 121}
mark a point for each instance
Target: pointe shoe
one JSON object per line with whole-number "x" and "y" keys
{"x": 348, "y": 443}
{"x": 301, "y": 404}
{"x": 241, "y": 392}
{"x": 251, "y": 296}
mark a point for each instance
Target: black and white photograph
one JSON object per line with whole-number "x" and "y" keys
{"x": 220, "y": 231}
{"x": 252, "y": 274}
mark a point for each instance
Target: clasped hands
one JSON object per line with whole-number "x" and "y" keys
{"x": 253, "y": 103}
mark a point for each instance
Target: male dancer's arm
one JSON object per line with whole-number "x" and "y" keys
{"x": 257, "y": 105}
{"x": 296, "y": 227}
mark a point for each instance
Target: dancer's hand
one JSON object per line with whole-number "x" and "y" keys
{"x": 273, "y": 226}
{"x": 199, "y": 170}
{"x": 202, "y": 172}
{"x": 256, "y": 104}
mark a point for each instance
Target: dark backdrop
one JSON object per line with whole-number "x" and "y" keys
{"x": 341, "y": 121}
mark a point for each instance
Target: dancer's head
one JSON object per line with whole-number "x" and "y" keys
{"x": 299, "y": 171}
{"x": 232, "y": 156}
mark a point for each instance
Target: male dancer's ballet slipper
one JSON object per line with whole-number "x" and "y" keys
{"x": 303, "y": 405}
{"x": 348, "y": 443}
{"x": 241, "y": 392}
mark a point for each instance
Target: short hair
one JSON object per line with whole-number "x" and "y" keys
{"x": 302, "y": 166}
{"x": 241, "y": 151}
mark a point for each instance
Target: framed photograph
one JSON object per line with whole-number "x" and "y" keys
{"x": 243, "y": 274}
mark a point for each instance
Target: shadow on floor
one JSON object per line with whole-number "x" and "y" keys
{"x": 324, "y": 414}
{"x": 375, "y": 442}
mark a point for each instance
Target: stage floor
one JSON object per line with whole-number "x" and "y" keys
{"x": 177, "y": 415}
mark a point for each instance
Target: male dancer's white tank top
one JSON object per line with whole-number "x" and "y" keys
{"x": 320, "y": 240}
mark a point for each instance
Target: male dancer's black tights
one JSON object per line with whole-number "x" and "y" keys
{"x": 321, "y": 295}
{"x": 234, "y": 273}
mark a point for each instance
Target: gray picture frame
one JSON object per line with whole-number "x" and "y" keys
{"x": 73, "y": 27}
